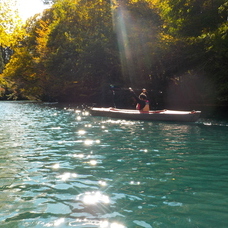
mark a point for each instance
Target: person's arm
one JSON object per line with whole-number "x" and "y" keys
{"x": 142, "y": 103}
{"x": 134, "y": 95}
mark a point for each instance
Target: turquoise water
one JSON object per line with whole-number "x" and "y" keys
{"x": 60, "y": 167}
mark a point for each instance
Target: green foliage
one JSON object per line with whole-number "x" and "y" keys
{"x": 217, "y": 63}
{"x": 78, "y": 47}
{"x": 194, "y": 40}
{"x": 191, "y": 17}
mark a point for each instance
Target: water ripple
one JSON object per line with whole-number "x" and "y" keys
{"x": 60, "y": 167}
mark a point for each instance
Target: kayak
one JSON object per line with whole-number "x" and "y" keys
{"x": 156, "y": 115}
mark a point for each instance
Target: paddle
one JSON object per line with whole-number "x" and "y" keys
{"x": 118, "y": 88}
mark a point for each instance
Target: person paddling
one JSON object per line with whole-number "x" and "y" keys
{"x": 142, "y": 102}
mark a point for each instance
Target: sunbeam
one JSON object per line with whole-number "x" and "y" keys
{"x": 134, "y": 42}
{"x": 121, "y": 22}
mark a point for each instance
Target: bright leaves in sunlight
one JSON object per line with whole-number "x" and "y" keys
{"x": 76, "y": 48}
{"x": 10, "y": 21}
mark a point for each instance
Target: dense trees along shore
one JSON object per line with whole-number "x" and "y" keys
{"x": 177, "y": 49}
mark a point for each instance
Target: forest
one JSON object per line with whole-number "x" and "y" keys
{"x": 89, "y": 51}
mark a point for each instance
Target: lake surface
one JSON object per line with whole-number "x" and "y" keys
{"x": 60, "y": 167}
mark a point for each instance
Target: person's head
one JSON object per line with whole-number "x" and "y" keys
{"x": 142, "y": 97}
{"x": 144, "y": 90}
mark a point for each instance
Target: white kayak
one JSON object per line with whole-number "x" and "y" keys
{"x": 159, "y": 115}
